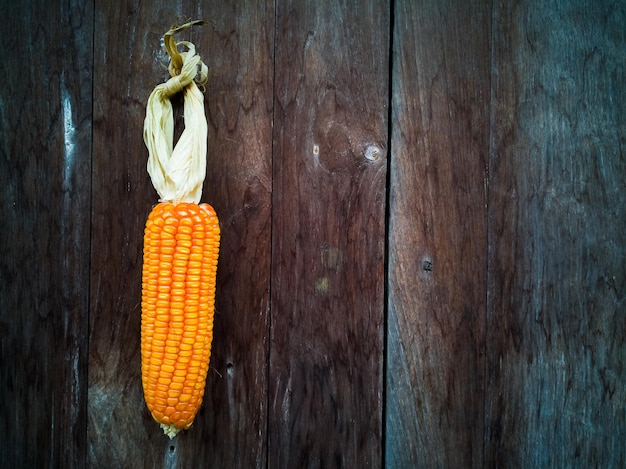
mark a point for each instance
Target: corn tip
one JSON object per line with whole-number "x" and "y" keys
{"x": 170, "y": 430}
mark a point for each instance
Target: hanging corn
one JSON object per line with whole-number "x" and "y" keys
{"x": 181, "y": 244}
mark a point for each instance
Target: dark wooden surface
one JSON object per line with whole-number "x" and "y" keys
{"x": 437, "y": 234}
{"x": 126, "y": 65}
{"x": 330, "y": 134}
{"x": 239, "y": 51}
{"x": 556, "y": 328}
{"x": 423, "y": 258}
{"x": 45, "y": 178}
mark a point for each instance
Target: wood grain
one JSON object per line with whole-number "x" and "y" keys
{"x": 239, "y": 49}
{"x": 491, "y": 333}
{"x": 45, "y": 174}
{"x": 127, "y": 65}
{"x": 557, "y": 211}
{"x": 437, "y": 234}
{"x": 229, "y": 430}
{"x": 330, "y": 134}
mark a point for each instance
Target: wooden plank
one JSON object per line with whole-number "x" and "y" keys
{"x": 229, "y": 430}
{"x": 45, "y": 164}
{"x": 330, "y": 127}
{"x": 127, "y": 65}
{"x": 437, "y": 234}
{"x": 239, "y": 103}
{"x": 557, "y": 275}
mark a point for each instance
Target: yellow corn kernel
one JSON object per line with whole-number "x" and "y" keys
{"x": 181, "y": 246}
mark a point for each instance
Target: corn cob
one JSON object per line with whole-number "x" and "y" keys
{"x": 181, "y": 244}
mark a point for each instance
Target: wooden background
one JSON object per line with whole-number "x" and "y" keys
{"x": 423, "y": 211}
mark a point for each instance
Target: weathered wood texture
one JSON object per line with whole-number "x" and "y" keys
{"x": 504, "y": 341}
{"x": 127, "y": 65}
{"x": 556, "y": 337}
{"x": 330, "y": 144}
{"x": 239, "y": 50}
{"x": 229, "y": 430}
{"x": 437, "y": 234}
{"x": 240, "y": 101}
{"x": 45, "y": 177}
